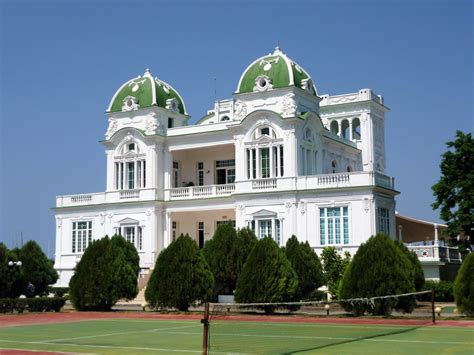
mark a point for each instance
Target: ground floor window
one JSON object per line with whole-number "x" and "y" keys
{"x": 81, "y": 236}
{"x": 267, "y": 228}
{"x": 383, "y": 220}
{"x": 174, "y": 229}
{"x": 201, "y": 234}
{"x": 229, "y": 221}
{"x": 132, "y": 234}
{"x": 333, "y": 226}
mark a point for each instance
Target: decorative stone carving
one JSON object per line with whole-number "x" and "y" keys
{"x": 110, "y": 215}
{"x": 59, "y": 222}
{"x": 240, "y": 108}
{"x": 302, "y": 207}
{"x": 366, "y": 204}
{"x": 262, "y": 83}
{"x": 172, "y": 104}
{"x": 240, "y": 208}
{"x": 289, "y": 105}
{"x": 130, "y": 103}
{"x": 113, "y": 125}
{"x": 288, "y": 204}
{"x": 151, "y": 124}
{"x": 307, "y": 84}
{"x": 102, "y": 218}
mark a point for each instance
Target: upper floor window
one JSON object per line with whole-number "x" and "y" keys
{"x": 130, "y": 175}
{"x": 225, "y": 118}
{"x": 383, "y": 220}
{"x": 170, "y": 122}
{"x": 334, "y": 166}
{"x": 81, "y": 236}
{"x": 264, "y": 131}
{"x": 131, "y": 147}
{"x": 334, "y": 225}
{"x": 225, "y": 171}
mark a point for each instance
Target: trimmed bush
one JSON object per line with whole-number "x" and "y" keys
{"x": 444, "y": 291}
{"x": 226, "y": 254}
{"x": 378, "y": 268}
{"x": 104, "y": 275}
{"x": 267, "y": 275}
{"x": 417, "y": 269}
{"x": 36, "y": 304}
{"x": 307, "y": 266}
{"x": 59, "y": 291}
{"x": 334, "y": 267}
{"x": 37, "y": 268}
{"x": 181, "y": 276}
{"x": 464, "y": 286}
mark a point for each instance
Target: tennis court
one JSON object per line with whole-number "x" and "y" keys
{"x": 132, "y": 334}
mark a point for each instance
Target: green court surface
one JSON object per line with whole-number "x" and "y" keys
{"x": 136, "y": 336}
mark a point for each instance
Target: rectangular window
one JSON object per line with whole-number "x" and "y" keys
{"x": 131, "y": 175}
{"x": 144, "y": 173}
{"x": 225, "y": 171}
{"x": 121, "y": 175}
{"x": 129, "y": 234}
{"x": 275, "y": 160}
{"x": 175, "y": 174}
{"x": 265, "y": 228}
{"x": 334, "y": 226}
{"x": 200, "y": 234}
{"x": 81, "y": 236}
{"x": 281, "y": 161}
{"x": 140, "y": 238}
{"x": 254, "y": 162}
{"x": 174, "y": 228}
{"x": 117, "y": 175}
{"x": 248, "y": 163}
{"x": 200, "y": 174}
{"x": 277, "y": 231}
{"x": 229, "y": 221}
{"x": 322, "y": 226}
{"x": 265, "y": 162}
{"x": 170, "y": 122}
{"x": 383, "y": 220}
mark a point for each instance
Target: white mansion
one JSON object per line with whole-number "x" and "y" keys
{"x": 276, "y": 157}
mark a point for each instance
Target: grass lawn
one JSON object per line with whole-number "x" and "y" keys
{"x": 136, "y": 336}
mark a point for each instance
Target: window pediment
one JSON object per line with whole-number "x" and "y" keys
{"x": 128, "y": 220}
{"x": 264, "y": 213}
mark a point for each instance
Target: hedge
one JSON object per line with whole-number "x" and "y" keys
{"x": 444, "y": 291}
{"x": 37, "y": 304}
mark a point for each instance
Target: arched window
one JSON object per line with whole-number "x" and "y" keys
{"x": 334, "y": 166}
{"x": 264, "y": 161}
{"x": 349, "y": 169}
{"x": 345, "y": 129}
{"x": 335, "y": 127}
{"x": 356, "y": 129}
{"x": 225, "y": 118}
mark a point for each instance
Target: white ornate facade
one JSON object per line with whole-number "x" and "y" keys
{"x": 276, "y": 157}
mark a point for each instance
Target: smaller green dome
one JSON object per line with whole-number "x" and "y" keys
{"x": 146, "y": 91}
{"x": 274, "y": 71}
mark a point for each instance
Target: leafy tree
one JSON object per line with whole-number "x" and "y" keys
{"x": 464, "y": 286}
{"x": 130, "y": 252}
{"x": 103, "y": 276}
{"x": 417, "y": 269}
{"x": 226, "y": 254}
{"x": 307, "y": 266}
{"x": 181, "y": 276}
{"x": 334, "y": 267}
{"x": 37, "y": 268}
{"x": 267, "y": 275}
{"x": 454, "y": 192}
{"x": 11, "y": 277}
{"x": 379, "y": 268}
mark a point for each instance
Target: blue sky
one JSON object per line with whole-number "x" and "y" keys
{"x": 61, "y": 62}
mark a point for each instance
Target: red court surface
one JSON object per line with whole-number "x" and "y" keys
{"x": 66, "y": 317}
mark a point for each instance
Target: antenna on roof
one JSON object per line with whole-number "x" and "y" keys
{"x": 215, "y": 88}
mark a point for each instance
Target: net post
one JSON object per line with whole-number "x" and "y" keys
{"x": 433, "y": 315}
{"x": 205, "y": 334}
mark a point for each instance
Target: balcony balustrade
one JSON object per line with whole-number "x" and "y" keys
{"x": 323, "y": 181}
{"x": 436, "y": 253}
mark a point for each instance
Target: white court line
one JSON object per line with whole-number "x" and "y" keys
{"x": 117, "y": 333}
{"x": 117, "y": 347}
{"x": 44, "y": 351}
{"x": 331, "y": 338}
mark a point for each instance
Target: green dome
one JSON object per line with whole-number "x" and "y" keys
{"x": 146, "y": 91}
{"x": 274, "y": 71}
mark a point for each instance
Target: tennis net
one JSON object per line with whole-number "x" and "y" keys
{"x": 292, "y": 327}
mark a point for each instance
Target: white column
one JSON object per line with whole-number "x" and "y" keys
{"x": 135, "y": 174}
{"x": 270, "y": 152}
{"x": 110, "y": 171}
{"x": 257, "y": 162}
{"x": 350, "y": 130}
{"x": 400, "y": 235}
{"x": 278, "y": 161}
{"x": 436, "y": 233}
{"x": 340, "y": 128}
